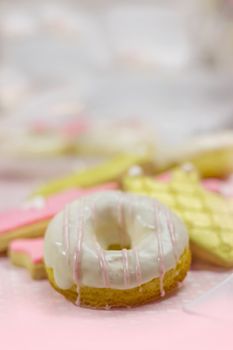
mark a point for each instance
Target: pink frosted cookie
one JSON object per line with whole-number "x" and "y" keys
{"x": 69, "y": 130}
{"x": 28, "y": 253}
{"x": 41, "y": 138}
{"x": 31, "y": 219}
{"x": 75, "y": 128}
{"x": 33, "y": 142}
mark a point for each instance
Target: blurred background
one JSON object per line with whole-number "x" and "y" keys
{"x": 84, "y": 80}
{"x": 166, "y": 63}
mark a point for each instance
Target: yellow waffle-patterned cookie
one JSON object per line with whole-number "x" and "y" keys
{"x": 208, "y": 216}
{"x": 112, "y": 170}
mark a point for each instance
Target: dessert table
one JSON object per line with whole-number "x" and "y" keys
{"x": 32, "y": 314}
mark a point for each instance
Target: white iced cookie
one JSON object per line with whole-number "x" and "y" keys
{"x": 115, "y": 249}
{"x": 25, "y": 142}
{"x": 111, "y": 137}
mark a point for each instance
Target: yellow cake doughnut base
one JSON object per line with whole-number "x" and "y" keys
{"x": 105, "y": 297}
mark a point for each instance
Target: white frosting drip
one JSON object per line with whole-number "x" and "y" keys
{"x": 145, "y": 226}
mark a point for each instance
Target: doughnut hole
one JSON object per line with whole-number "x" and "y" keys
{"x": 110, "y": 233}
{"x": 115, "y": 234}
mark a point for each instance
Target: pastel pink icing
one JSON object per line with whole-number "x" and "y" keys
{"x": 40, "y": 127}
{"x": 213, "y": 185}
{"x": 31, "y": 247}
{"x": 160, "y": 250}
{"x": 70, "y": 128}
{"x": 31, "y": 214}
{"x": 164, "y": 177}
{"x": 223, "y": 187}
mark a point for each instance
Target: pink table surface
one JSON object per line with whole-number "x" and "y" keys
{"x": 34, "y": 316}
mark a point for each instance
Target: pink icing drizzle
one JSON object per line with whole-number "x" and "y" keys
{"x": 66, "y": 228}
{"x": 77, "y": 255}
{"x": 124, "y": 252}
{"x": 138, "y": 268}
{"x": 31, "y": 247}
{"x": 160, "y": 251}
{"x": 172, "y": 234}
{"x": 101, "y": 256}
{"x": 103, "y": 265}
{"x": 125, "y": 267}
{"x": 121, "y": 220}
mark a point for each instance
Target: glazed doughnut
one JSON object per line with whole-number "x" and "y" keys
{"x": 114, "y": 249}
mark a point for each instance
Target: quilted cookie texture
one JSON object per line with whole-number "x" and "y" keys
{"x": 208, "y": 216}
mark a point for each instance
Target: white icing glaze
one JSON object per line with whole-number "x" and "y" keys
{"x": 152, "y": 239}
